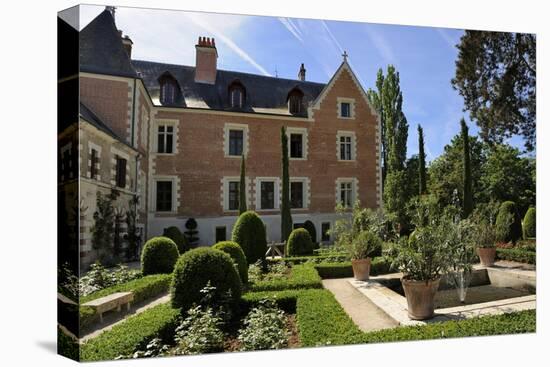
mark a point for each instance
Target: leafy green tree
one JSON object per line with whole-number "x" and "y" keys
{"x": 412, "y": 169}
{"x": 445, "y": 173}
{"x": 508, "y": 175}
{"x": 242, "y": 188}
{"x": 395, "y": 198}
{"x": 496, "y": 75}
{"x": 286, "y": 218}
{"x": 421, "y": 162}
{"x": 388, "y": 101}
{"x": 467, "y": 195}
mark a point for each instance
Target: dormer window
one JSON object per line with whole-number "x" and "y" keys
{"x": 237, "y": 95}
{"x": 168, "y": 89}
{"x": 295, "y": 101}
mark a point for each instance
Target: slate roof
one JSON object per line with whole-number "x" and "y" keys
{"x": 101, "y": 49}
{"x": 88, "y": 115}
{"x": 264, "y": 94}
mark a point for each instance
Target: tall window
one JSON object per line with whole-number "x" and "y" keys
{"x": 120, "y": 172}
{"x": 267, "y": 192}
{"x": 165, "y": 139}
{"x": 236, "y": 138}
{"x": 325, "y": 228}
{"x": 296, "y": 195}
{"x": 233, "y": 195}
{"x": 220, "y": 234}
{"x": 346, "y": 193}
{"x": 345, "y": 148}
{"x": 164, "y": 196}
{"x": 295, "y": 101}
{"x": 296, "y": 146}
{"x": 168, "y": 91}
{"x": 345, "y": 109}
{"x": 94, "y": 162}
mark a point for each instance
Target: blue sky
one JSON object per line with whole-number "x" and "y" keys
{"x": 424, "y": 56}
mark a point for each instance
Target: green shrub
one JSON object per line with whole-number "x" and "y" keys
{"x": 67, "y": 345}
{"x": 379, "y": 266}
{"x": 143, "y": 289}
{"x": 192, "y": 233}
{"x": 301, "y": 277}
{"x": 180, "y": 240}
{"x": 530, "y": 224}
{"x": 249, "y": 233}
{"x": 195, "y": 269}
{"x": 310, "y": 227}
{"x": 131, "y": 335}
{"x": 199, "y": 333}
{"x": 264, "y": 328}
{"x": 508, "y": 223}
{"x": 336, "y": 257}
{"x": 299, "y": 243}
{"x": 159, "y": 256}
{"x": 517, "y": 254}
{"x": 236, "y": 252}
{"x": 365, "y": 245}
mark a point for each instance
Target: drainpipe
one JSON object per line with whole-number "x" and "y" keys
{"x": 133, "y": 114}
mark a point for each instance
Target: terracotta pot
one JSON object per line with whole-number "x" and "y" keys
{"x": 420, "y": 298}
{"x": 361, "y": 268}
{"x": 487, "y": 255}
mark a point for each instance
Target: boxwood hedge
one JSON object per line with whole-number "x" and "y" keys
{"x": 517, "y": 254}
{"x": 379, "y": 265}
{"x": 301, "y": 277}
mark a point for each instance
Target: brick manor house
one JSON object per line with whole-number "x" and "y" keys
{"x": 172, "y": 136}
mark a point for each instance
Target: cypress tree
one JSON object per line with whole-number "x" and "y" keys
{"x": 421, "y": 162}
{"x": 242, "y": 188}
{"x": 286, "y": 218}
{"x": 468, "y": 200}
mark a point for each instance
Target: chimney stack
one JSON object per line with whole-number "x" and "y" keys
{"x": 206, "y": 63}
{"x": 302, "y": 73}
{"x": 127, "y": 44}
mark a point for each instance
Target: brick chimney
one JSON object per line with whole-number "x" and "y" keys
{"x": 206, "y": 61}
{"x": 302, "y": 73}
{"x": 126, "y": 43}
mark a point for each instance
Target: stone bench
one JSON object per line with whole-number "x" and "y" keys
{"x": 110, "y": 302}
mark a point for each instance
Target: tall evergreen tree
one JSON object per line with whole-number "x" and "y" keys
{"x": 286, "y": 218}
{"x": 468, "y": 199}
{"x": 421, "y": 162}
{"x": 242, "y": 188}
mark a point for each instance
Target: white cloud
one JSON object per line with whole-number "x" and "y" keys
{"x": 381, "y": 44}
{"x": 289, "y": 25}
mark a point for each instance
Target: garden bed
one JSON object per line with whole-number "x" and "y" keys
{"x": 297, "y": 277}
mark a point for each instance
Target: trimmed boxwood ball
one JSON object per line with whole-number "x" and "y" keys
{"x": 299, "y": 243}
{"x": 175, "y": 235}
{"x": 236, "y": 252}
{"x": 530, "y": 224}
{"x": 249, "y": 233}
{"x": 195, "y": 269}
{"x": 512, "y": 232}
{"x": 159, "y": 256}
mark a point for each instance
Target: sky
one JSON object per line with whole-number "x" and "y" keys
{"x": 424, "y": 56}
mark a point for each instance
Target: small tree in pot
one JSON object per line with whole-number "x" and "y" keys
{"x": 422, "y": 258}
{"x": 363, "y": 246}
{"x": 486, "y": 237}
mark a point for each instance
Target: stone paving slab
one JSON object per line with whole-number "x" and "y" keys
{"x": 366, "y": 315}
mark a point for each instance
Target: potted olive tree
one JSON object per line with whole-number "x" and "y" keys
{"x": 485, "y": 238}
{"x": 362, "y": 247}
{"x": 422, "y": 258}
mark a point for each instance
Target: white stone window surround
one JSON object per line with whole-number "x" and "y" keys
{"x": 276, "y": 194}
{"x": 166, "y": 122}
{"x": 351, "y": 134}
{"x": 303, "y": 132}
{"x": 233, "y": 126}
{"x": 175, "y": 193}
{"x": 351, "y": 101}
{"x": 354, "y": 189}
{"x": 97, "y": 148}
{"x": 224, "y": 200}
{"x": 306, "y": 192}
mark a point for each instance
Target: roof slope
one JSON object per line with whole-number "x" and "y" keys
{"x": 101, "y": 49}
{"x": 264, "y": 94}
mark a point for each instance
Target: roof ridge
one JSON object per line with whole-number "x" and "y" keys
{"x": 232, "y": 71}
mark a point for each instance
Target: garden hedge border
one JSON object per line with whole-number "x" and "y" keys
{"x": 379, "y": 265}
{"x": 302, "y": 276}
{"x": 144, "y": 288}
{"x": 133, "y": 334}
{"x": 517, "y": 254}
{"x": 294, "y": 260}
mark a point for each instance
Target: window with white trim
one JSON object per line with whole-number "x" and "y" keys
{"x": 267, "y": 193}
{"x": 346, "y": 108}
{"x": 164, "y": 195}
{"x": 297, "y": 143}
{"x": 346, "y": 145}
{"x": 297, "y": 195}
{"x": 346, "y": 192}
{"x": 94, "y": 163}
{"x": 165, "y": 139}
{"x": 235, "y": 140}
{"x": 233, "y": 195}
